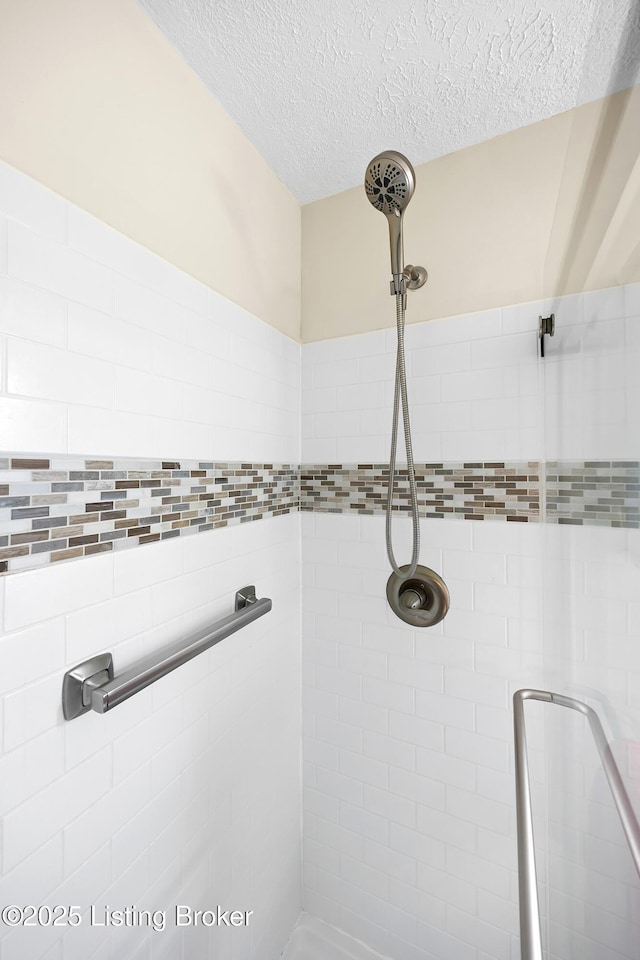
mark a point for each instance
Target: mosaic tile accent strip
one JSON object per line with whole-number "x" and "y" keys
{"x": 62, "y": 508}
{"x": 596, "y": 492}
{"x": 473, "y": 491}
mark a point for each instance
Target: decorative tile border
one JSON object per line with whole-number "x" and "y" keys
{"x": 595, "y": 492}
{"x": 473, "y": 491}
{"x": 62, "y": 508}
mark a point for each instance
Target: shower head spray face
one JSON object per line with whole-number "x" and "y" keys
{"x": 389, "y": 184}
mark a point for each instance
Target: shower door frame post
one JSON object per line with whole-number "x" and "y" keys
{"x": 530, "y": 932}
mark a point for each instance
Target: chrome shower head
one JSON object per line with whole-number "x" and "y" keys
{"x": 389, "y": 184}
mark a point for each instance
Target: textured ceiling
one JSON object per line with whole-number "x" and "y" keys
{"x": 320, "y": 86}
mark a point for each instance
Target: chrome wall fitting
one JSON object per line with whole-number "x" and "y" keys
{"x": 422, "y": 600}
{"x": 411, "y": 278}
{"x": 79, "y": 684}
{"x": 416, "y": 277}
{"x": 245, "y": 597}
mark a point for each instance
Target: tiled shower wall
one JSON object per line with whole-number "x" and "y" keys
{"x": 409, "y": 795}
{"x": 189, "y": 792}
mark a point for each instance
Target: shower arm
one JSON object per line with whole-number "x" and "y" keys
{"x": 530, "y": 932}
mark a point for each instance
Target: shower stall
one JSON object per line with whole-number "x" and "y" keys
{"x": 410, "y": 828}
{"x": 293, "y": 770}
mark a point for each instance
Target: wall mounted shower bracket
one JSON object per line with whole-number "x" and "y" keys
{"x": 411, "y": 278}
{"x": 416, "y": 277}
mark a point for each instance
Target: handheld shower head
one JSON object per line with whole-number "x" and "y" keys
{"x": 389, "y": 184}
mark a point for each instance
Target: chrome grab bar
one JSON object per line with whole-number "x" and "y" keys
{"x": 91, "y": 685}
{"x": 530, "y": 931}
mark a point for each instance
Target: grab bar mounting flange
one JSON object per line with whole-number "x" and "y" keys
{"x": 245, "y": 596}
{"x": 79, "y": 683}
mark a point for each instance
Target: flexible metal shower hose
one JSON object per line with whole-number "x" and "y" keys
{"x": 401, "y": 394}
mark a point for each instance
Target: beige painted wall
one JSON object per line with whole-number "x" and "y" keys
{"x": 95, "y": 104}
{"x": 550, "y": 208}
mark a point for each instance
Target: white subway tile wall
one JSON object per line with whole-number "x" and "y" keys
{"x": 110, "y": 350}
{"x": 420, "y": 734}
{"x": 408, "y": 739}
{"x": 196, "y": 777}
{"x": 591, "y": 641}
{"x": 477, "y": 388}
{"x": 189, "y": 792}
